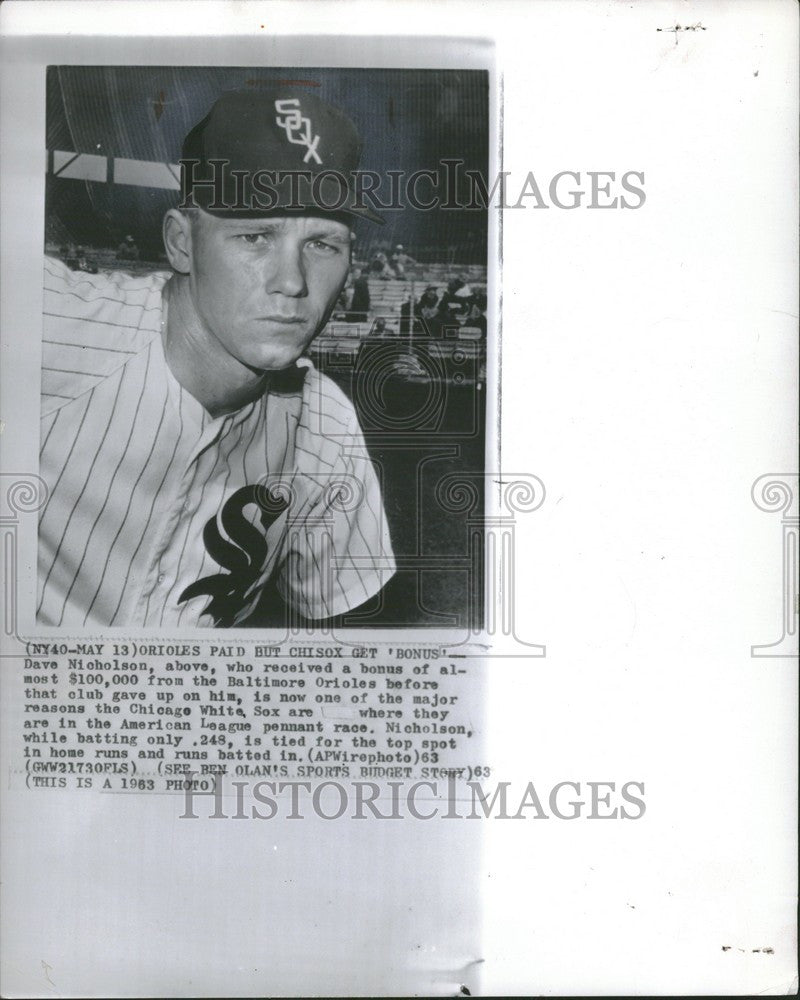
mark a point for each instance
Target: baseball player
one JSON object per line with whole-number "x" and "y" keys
{"x": 191, "y": 451}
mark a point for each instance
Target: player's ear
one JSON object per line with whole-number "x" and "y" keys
{"x": 177, "y": 232}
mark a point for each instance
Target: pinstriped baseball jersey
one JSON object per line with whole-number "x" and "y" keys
{"x": 159, "y": 514}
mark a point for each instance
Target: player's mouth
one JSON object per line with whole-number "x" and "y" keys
{"x": 279, "y": 318}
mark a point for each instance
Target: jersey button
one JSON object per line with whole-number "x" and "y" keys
{"x": 160, "y": 577}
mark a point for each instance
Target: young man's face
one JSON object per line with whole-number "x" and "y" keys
{"x": 263, "y": 288}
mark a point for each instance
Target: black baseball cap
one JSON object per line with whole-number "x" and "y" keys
{"x": 273, "y": 151}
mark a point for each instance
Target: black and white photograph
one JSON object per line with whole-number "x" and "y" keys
{"x": 264, "y": 345}
{"x": 399, "y": 498}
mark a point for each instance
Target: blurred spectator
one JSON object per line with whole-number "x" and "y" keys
{"x": 84, "y": 263}
{"x": 427, "y": 321}
{"x": 400, "y": 260}
{"x": 405, "y": 318}
{"x": 477, "y": 314}
{"x": 340, "y": 310}
{"x": 127, "y": 250}
{"x": 360, "y": 302}
{"x": 455, "y": 303}
{"x": 379, "y": 265}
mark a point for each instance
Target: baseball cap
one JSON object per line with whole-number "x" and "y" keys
{"x": 274, "y": 151}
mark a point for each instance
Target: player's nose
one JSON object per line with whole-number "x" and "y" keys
{"x": 286, "y": 270}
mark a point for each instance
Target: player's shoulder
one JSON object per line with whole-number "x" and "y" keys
{"x": 114, "y": 300}
{"x": 93, "y": 325}
{"x": 334, "y": 414}
{"x": 58, "y": 277}
{"x": 326, "y": 428}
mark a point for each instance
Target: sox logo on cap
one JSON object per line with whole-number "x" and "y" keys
{"x": 297, "y": 127}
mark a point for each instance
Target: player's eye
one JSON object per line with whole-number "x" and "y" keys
{"x": 320, "y": 246}
{"x": 255, "y": 239}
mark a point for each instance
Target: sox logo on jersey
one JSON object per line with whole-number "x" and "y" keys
{"x": 242, "y": 557}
